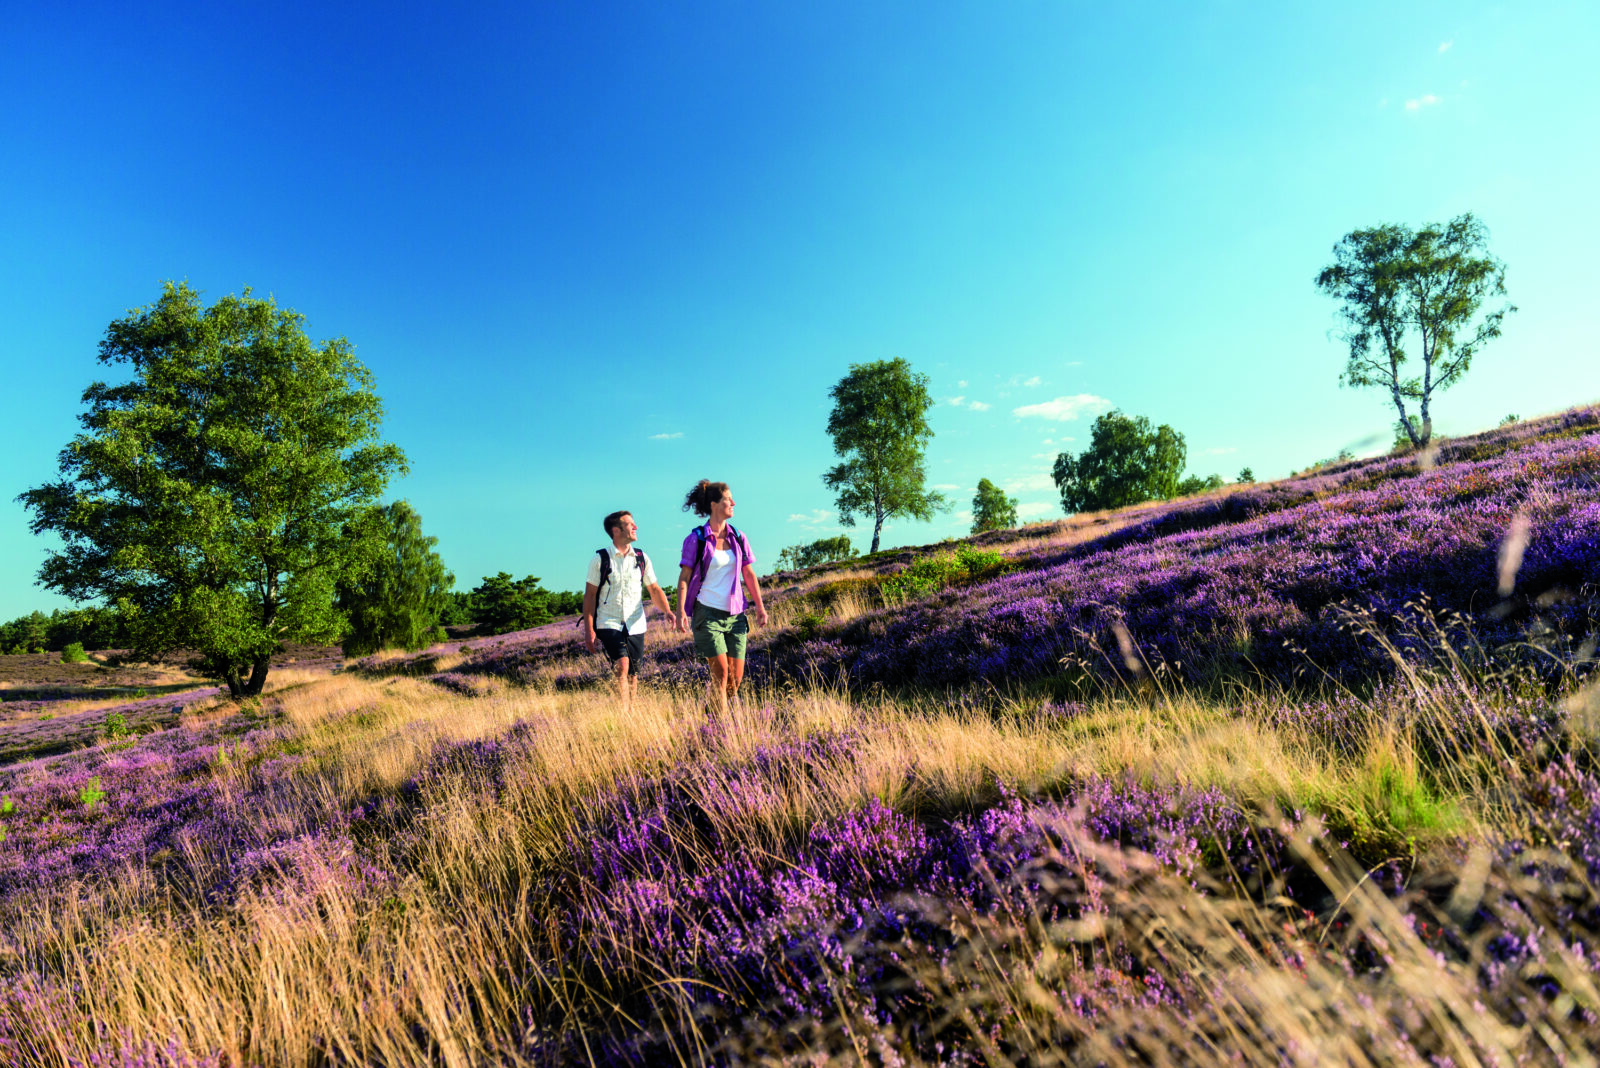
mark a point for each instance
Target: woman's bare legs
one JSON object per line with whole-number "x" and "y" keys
{"x": 726, "y": 675}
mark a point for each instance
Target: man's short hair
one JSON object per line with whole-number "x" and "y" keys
{"x": 615, "y": 520}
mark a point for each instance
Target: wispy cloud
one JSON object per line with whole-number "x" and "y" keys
{"x": 1426, "y": 100}
{"x": 1034, "y": 381}
{"x": 1038, "y": 509}
{"x": 980, "y": 406}
{"x": 1063, "y": 409}
{"x": 961, "y": 384}
{"x": 956, "y": 402}
{"x": 666, "y": 437}
{"x": 1444, "y": 46}
{"x": 814, "y": 518}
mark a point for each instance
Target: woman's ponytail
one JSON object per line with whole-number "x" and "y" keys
{"x": 704, "y": 495}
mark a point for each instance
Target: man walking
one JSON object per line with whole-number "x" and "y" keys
{"x": 620, "y": 576}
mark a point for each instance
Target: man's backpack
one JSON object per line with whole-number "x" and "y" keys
{"x": 601, "y": 596}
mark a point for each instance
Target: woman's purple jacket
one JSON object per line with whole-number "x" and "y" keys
{"x": 736, "y": 599}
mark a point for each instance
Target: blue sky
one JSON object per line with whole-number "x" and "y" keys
{"x": 594, "y": 252}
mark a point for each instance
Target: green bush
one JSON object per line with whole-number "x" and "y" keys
{"x": 931, "y": 574}
{"x": 74, "y": 654}
{"x": 115, "y": 726}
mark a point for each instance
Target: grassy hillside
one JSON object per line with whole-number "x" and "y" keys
{"x": 1295, "y": 774}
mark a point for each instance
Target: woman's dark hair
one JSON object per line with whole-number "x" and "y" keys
{"x": 704, "y": 495}
{"x": 614, "y": 520}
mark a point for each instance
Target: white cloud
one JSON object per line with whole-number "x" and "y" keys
{"x": 979, "y": 406}
{"x": 1037, "y": 509}
{"x": 956, "y": 402}
{"x": 1074, "y": 363}
{"x": 1034, "y": 381}
{"x": 961, "y": 384}
{"x": 666, "y": 437}
{"x": 1042, "y": 456}
{"x": 815, "y": 518}
{"x": 1030, "y": 483}
{"x": 1444, "y": 46}
{"x": 1063, "y": 409}
{"x": 1427, "y": 100}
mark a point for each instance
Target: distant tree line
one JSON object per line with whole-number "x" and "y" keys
{"x": 93, "y": 628}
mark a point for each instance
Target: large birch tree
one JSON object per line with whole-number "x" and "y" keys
{"x": 879, "y": 426}
{"x": 1410, "y": 302}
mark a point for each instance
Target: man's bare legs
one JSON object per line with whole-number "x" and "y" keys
{"x": 627, "y": 685}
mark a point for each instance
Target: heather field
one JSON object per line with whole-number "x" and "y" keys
{"x": 1292, "y": 774}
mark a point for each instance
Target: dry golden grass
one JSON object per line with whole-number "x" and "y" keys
{"x": 321, "y": 968}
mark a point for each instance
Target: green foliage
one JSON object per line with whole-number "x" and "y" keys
{"x": 459, "y": 608}
{"x": 91, "y": 794}
{"x": 992, "y": 509}
{"x": 92, "y": 628}
{"x": 879, "y": 427}
{"x": 821, "y": 551}
{"x": 1195, "y": 484}
{"x": 930, "y": 574}
{"x": 1246, "y": 475}
{"x": 507, "y": 604}
{"x": 396, "y": 598}
{"x": 7, "y": 806}
{"x": 809, "y": 624}
{"x": 565, "y": 603}
{"x": 25, "y": 634}
{"x": 74, "y": 654}
{"x": 1395, "y": 284}
{"x": 115, "y": 726}
{"x": 1128, "y": 461}
{"x": 1512, "y": 418}
{"x": 207, "y": 496}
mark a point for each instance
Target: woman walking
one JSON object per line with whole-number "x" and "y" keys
{"x": 711, "y": 595}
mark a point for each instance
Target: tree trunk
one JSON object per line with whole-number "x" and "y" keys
{"x": 258, "y": 677}
{"x": 877, "y": 526}
{"x": 235, "y": 684}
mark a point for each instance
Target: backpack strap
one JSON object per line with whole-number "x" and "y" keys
{"x": 699, "y": 555}
{"x": 605, "y": 573}
{"x": 605, "y": 576}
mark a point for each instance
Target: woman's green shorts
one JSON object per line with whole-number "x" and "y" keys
{"x": 719, "y": 633}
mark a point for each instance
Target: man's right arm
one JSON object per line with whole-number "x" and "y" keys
{"x": 590, "y": 593}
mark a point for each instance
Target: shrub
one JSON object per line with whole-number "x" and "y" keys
{"x": 115, "y": 726}
{"x": 74, "y": 654}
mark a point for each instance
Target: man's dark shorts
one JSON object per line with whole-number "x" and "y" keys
{"x": 619, "y": 644}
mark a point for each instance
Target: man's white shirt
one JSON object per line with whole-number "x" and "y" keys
{"x": 619, "y": 605}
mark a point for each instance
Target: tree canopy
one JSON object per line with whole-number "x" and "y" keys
{"x": 879, "y": 427}
{"x": 1406, "y": 293}
{"x": 1128, "y": 461}
{"x": 505, "y": 604}
{"x": 821, "y": 551}
{"x": 395, "y": 596}
{"x": 208, "y": 497}
{"x": 992, "y": 509}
